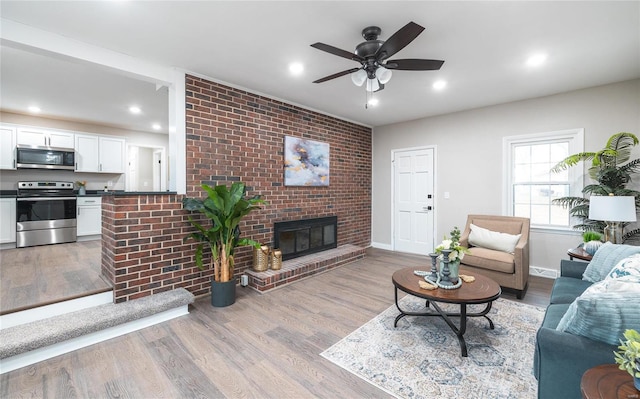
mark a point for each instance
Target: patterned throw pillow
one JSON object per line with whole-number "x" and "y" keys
{"x": 609, "y": 307}
{"x": 627, "y": 267}
{"x": 607, "y": 256}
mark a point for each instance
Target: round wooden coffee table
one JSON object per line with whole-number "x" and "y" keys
{"x": 607, "y": 381}
{"x": 482, "y": 290}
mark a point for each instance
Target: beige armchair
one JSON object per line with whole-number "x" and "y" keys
{"x": 510, "y": 270}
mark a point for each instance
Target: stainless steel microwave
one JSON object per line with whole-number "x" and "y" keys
{"x": 31, "y": 157}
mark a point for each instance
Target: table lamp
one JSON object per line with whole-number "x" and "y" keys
{"x": 612, "y": 210}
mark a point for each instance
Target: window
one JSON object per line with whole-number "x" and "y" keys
{"x": 531, "y": 186}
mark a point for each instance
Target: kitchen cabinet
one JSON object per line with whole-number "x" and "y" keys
{"x": 7, "y": 147}
{"x": 89, "y": 216}
{"x": 45, "y": 137}
{"x": 99, "y": 154}
{"x": 7, "y": 220}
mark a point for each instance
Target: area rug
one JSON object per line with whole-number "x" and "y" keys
{"x": 421, "y": 357}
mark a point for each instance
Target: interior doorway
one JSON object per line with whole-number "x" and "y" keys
{"x": 145, "y": 169}
{"x": 413, "y": 200}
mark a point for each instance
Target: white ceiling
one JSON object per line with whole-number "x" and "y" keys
{"x": 250, "y": 44}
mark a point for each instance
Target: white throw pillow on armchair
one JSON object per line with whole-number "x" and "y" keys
{"x": 481, "y": 237}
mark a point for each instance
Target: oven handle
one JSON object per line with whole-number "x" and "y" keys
{"x": 45, "y": 198}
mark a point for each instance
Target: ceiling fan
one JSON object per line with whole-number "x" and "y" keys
{"x": 373, "y": 56}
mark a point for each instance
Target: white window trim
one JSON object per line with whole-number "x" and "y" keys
{"x": 576, "y": 173}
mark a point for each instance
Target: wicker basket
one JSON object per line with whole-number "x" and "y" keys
{"x": 276, "y": 259}
{"x": 261, "y": 258}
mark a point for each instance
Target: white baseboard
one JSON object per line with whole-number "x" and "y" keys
{"x": 55, "y": 309}
{"x": 543, "y": 272}
{"x": 38, "y": 355}
{"x": 378, "y": 245}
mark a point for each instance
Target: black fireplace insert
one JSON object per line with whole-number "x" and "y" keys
{"x": 303, "y": 237}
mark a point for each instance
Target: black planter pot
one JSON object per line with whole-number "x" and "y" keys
{"x": 223, "y": 294}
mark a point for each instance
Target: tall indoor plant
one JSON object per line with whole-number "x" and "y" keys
{"x": 612, "y": 169}
{"x": 224, "y": 208}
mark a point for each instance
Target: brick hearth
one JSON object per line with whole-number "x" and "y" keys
{"x": 304, "y": 266}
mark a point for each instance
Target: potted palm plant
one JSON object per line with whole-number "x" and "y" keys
{"x": 224, "y": 208}
{"x": 611, "y": 169}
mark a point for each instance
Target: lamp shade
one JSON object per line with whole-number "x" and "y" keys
{"x": 612, "y": 208}
{"x": 383, "y": 74}
{"x": 358, "y": 77}
{"x": 372, "y": 84}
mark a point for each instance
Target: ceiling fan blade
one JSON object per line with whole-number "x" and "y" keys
{"x": 336, "y": 51}
{"x": 398, "y": 40}
{"x": 414, "y": 65}
{"x": 336, "y": 75}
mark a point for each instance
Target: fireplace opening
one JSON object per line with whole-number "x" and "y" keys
{"x": 302, "y": 237}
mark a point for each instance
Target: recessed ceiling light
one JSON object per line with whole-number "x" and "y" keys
{"x": 439, "y": 85}
{"x": 134, "y": 109}
{"x": 296, "y": 68}
{"x": 34, "y": 109}
{"x": 156, "y": 126}
{"x": 536, "y": 60}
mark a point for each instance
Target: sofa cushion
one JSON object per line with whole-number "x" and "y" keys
{"x": 567, "y": 289}
{"x": 485, "y": 238}
{"x": 554, "y": 314}
{"x": 490, "y": 259}
{"x": 604, "y": 310}
{"x": 605, "y": 258}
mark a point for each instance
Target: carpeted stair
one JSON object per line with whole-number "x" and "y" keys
{"x": 42, "y": 339}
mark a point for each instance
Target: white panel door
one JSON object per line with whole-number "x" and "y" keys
{"x": 413, "y": 201}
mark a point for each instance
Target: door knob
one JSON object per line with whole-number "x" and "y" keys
{"x": 427, "y": 208}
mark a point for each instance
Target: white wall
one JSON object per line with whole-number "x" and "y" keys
{"x": 469, "y": 155}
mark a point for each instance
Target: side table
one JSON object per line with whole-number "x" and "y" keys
{"x": 607, "y": 381}
{"x": 579, "y": 253}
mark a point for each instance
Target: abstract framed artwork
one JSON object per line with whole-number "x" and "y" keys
{"x": 306, "y": 162}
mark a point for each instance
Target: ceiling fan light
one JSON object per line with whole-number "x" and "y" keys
{"x": 372, "y": 84}
{"x": 383, "y": 74}
{"x": 359, "y": 77}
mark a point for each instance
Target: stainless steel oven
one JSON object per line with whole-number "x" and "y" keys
{"x": 45, "y": 213}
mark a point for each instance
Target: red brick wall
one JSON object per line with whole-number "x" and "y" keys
{"x": 233, "y": 135}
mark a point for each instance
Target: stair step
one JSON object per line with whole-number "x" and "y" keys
{"x": 304, "y": 266}
{"x": 32, "y": 342}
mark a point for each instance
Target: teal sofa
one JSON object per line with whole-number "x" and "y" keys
{"x": 561, "y": 358}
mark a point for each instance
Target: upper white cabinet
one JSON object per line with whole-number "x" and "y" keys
{"x": 112, "y": 155}
{"x": 87, "y": 158}
{"x": 99, "y": 154}
{"x": 45, "y": 137}
{"x": 7, "y": 147}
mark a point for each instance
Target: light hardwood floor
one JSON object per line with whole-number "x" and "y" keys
{"x": 37, "y": 276}
{"x": 263, "y": 346}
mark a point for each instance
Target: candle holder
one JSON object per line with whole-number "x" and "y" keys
{"x": 445, "y": 272}
{"x": 433, "y": 277}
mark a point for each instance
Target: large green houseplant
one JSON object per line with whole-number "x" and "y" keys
{"x": 223, "y": 209}
{"x": 612, "y": 169}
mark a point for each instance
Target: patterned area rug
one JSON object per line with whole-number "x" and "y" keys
{"x": 421, "y": 357}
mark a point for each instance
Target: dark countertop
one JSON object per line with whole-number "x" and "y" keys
{"x": 8, "y": 193}
{"x": 96, "y": 193}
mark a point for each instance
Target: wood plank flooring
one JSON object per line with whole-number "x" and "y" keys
{"x": 45, "y": 274}
{"x": 263, "y": 346}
